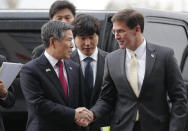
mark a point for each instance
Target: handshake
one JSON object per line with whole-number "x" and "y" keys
{"x": 83, "y": 116}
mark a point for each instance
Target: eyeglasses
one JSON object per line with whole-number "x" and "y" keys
{"x": 118, "y": 32}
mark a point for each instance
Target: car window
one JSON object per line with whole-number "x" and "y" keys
{"x": 169, "y": 35}
{"x": 17, "y": 46}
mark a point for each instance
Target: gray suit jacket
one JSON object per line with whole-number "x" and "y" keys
{"x": 98, "y": 84}
{"x": 162, "y": 78}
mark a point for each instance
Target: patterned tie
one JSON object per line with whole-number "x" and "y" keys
{"x": 62, "y": 77}
{"x": 89, "y": 72}
{"x": 133, "y": 77}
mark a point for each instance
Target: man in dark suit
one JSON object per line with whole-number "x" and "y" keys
{"x": 51, "y": 83}
{"x": 86, "y": 34}
{"x": 61, "y": 10}
{"x": 138, "y": 78}
{"x": 7, "y": 97}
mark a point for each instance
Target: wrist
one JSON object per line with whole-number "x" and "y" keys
{"x": 3, "y": 95}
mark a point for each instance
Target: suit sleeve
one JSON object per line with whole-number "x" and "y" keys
{"x": 177, "y": 94}
{"x": 107, "y": 98}
{"x": 37, "y": 51}
{"x": 10, "y": 99}
{"x": 38, "y": 101}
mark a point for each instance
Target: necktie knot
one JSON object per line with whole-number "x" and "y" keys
{"x": 59, "y": 64}
{"x": 133, "y": 55}
{"x": 88, "y": 60}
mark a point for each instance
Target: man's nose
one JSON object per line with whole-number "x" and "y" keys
{"x": 117, "y": 36}
{"x": 71, "y": 44}
{"x": 64, "y": 20}
{"x": 87, "y": 42}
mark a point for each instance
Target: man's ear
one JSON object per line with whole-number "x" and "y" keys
{"x": 52, "y": 42}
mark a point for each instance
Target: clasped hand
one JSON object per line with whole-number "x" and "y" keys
{"x": 83, "y": 116}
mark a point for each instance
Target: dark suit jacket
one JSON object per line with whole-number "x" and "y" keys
{"x": 162, "y": 77}
{"x": 48, "y": 108}
{"x": 10, "y": 99}
{"x": 90, "y": 101}
{"x": 37, "y": 51}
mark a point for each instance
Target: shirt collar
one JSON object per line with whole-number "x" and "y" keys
{"x": 53, "y": 61}
{"x": 139, "y": 51}
{"x": 93, "y": 56}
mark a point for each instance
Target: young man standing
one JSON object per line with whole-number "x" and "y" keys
{"x": 86, "y": 35}
{"x": 59, "y": 11}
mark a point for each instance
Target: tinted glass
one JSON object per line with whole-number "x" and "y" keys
{"x": 18, "y": 46}
{"x": 173, "y": 36}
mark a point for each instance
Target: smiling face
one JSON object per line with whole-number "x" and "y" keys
{"x": 125, "y": 36}
{"x": 64, "y": 15}
{"x": 87, "y": 44}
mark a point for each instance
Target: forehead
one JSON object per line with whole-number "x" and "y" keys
{"x": 63, "y": 12}
{"x": 68, "y": 33}
{"x": 119, "y": 25}
{"x": 87, "y": 35}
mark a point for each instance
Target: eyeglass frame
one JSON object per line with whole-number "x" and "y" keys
{"x": 120, "y": 31}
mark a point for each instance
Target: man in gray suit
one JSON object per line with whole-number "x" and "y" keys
{"x": 86, "y": 34}
{"x": 138, "y": 78}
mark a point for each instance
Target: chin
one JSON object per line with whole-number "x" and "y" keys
{"x": 67, "y": 57}
{"x": 122, "y": 47}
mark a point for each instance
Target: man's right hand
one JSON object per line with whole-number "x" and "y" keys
{"x": 83, "y": 116}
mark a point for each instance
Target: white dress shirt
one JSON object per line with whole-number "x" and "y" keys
{"x": 141, "y": 58}
{"x": 53, "y": 61}
{"x": 93, "y": 63}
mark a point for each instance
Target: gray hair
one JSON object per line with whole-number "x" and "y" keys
{"x": 53, "y": 29}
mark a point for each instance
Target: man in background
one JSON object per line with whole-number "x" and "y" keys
{"x": 86, "y": 35}
{"x": 59, "y": 11}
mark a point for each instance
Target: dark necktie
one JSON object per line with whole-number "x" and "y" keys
{"x": 62, "y": 77}
{"x": 89, "y": 72}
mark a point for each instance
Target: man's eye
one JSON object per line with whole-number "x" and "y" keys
{"x": 59, "y": 18}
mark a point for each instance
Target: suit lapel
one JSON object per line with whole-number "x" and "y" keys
{"x": 75, "y": 57}
{"x": 99, "y": 76}
{"x": 51, "y": 74}
{"x": 150, "y": 60}
{"x": 70, "y": 73}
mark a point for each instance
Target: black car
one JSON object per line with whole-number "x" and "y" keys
{"x": 20, "y": 33}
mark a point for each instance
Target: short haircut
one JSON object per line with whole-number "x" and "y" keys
{"x": 85, "y": 25}
{"x": 131, "y": 17}
{"x": 53, "y": 29}
{"x": 60, "y": 5}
